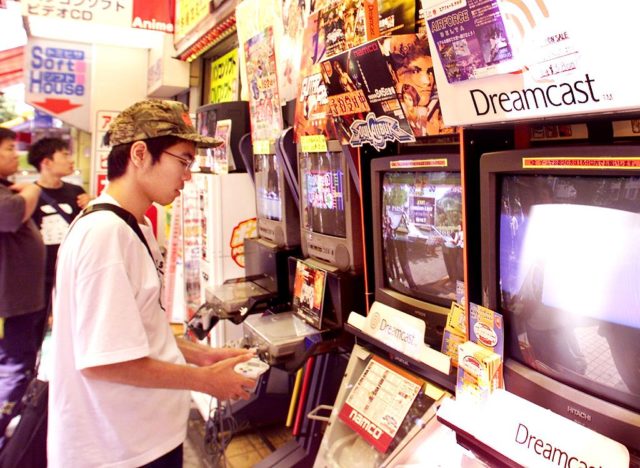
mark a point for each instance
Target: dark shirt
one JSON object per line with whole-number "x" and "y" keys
{"x": 52, "y": 225}
{"x": 22, "y": 258}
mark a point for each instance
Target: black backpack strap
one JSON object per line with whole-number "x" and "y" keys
{"x": 54, "y": 203}
{"x": 126, "y": 216}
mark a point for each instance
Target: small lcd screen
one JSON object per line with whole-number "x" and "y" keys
{"x": 322, "y": 187}
{"x": 569, "y": 270}
{"x": 422, "y": 239}
{"x": 268, "y": 197}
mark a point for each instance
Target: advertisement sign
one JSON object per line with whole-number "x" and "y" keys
{"x": 470, "y": 38}
{"x": 362, "y": 98}
{"x": 410, "y": 59}
{"x": 58, "y": 80}
{"x": 379, "y": 402}
{"x": 110, "y": 12}
{"x": 188, "y": 14}
{"x": 264, "y": 101}
{"x": 101, "y": 126}
{"x": 156, "y": 16}
{"x": 567, "y": 67}
{"x": 312, "y": 118}
{"x": 225, "y": 78}
{"x": 530, "y": 435}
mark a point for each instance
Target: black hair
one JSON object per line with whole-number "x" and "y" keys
{"x": 7, "y": 134}
{"x": 118, "y": 159}
{"x": 44, "y": 149}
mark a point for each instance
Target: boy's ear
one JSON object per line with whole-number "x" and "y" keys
{"x": 138, "y": 151}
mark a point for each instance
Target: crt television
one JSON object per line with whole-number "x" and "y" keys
{"x": 417, "y": 229}
{"x": 329, "y": 209}
{"x": 561, "y": 261}
{"x": 277, "y": 214}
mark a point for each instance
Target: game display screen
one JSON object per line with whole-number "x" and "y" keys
{"x": 422, "y": 237}
{"x": 569, "y": 270}
{"x": 322, "y": 189}
{"x": 268, "y": 197}
{"x": 308, "y": 293}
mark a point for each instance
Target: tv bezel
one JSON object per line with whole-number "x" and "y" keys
{"x": 434, "y": 313}
{"x": 286, "y": 231}
{"x": 341, "y": 253}
{"x": 603, "y": 416}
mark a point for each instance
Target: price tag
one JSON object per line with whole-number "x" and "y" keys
{"x": 313, "y": 144}
{"x": 261, "y": 147}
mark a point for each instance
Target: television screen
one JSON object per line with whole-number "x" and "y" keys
{"x": 268, "y": 197}
{"x": 322, "y": 186}
{"x": 422, "y": 240}
{"x": 569, "y": 270}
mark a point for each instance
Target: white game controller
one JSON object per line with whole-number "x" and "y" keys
{"x": 253, "y": 369}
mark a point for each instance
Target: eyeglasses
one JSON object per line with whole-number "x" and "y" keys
{"x": 186, "y": 162}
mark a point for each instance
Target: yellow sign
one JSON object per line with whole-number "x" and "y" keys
{"x": 188, "y": 14}
{"x": 581, "y": 163}
{"x": 313, "y": 143}
{"x": 442, "y": 162}
{"x": 224, "y": 78}
{"x": 261, "y": 147}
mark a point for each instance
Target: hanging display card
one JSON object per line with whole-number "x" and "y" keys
{"x": 471, "y": 39}
{"x": 312, "y": 118}
{"x": 264, "y": 103}
{"x": 379, "y": 402}
{"x": 362, "y": 98}
{"x": 410, "y": 59}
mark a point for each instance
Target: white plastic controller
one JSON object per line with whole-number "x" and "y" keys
{"x": 253, "y": 369}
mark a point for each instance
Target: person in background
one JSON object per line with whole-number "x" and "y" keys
{"x": 60, "y": 202}
{"x": 22, "y": 303}
{"x": 119, "y": 388}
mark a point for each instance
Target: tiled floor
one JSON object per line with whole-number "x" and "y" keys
{"x": 244, "y": 450}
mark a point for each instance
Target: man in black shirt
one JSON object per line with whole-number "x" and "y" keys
{"x": 60, "y": 202}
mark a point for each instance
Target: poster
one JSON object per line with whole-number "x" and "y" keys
{"x": 397, "y": 17}
{"x": 342, "y": 26}
{"x": 411, "y": 62}
{"x": 379, "y": 402}
{"x": 312, "y": 105}
{"x": 264, "y": 102}
{"x": 471, "y": 39}
{"x": 362, "y": 98}
{"x": 289, "y": 52}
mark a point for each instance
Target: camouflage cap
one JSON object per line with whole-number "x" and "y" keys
{"x": 153, "y": 118}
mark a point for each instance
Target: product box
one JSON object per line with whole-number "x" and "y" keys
{"x": 479, "y": 371}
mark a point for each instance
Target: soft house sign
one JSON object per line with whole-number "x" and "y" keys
{"x": 58, "y": 80}
{"x": 566, "y": 62}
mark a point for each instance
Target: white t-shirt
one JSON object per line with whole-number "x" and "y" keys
{"x": 106, "y": 311}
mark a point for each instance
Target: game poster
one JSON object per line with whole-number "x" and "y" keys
{"x": 342, "y": 26}
{"x": 471, "y": 39}
{"x": 264, "y": 101}
{"x": 362, "y": 98}
{"x": 410, "y": 59}
{"x": 397, "y": 17}
{"x": 289, "y": 52}
{"x": 312, "y": 106}
{"x": 308, "y": 293}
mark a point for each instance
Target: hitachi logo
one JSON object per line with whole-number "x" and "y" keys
{"x": 579, "y": 413}
{"x": 365, "y": 424}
